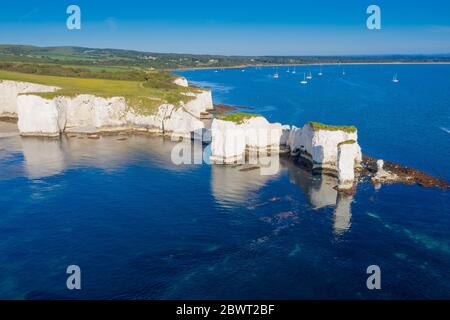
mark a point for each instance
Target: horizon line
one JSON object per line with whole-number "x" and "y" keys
{"x": 233, "y": 55}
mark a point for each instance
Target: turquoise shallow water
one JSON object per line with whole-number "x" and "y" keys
{"x": 141, "y": 227}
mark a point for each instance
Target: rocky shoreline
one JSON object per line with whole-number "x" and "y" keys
{"x": 400, "y": 174}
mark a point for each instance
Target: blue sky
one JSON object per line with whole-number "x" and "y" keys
{"x": 245, "y": 27}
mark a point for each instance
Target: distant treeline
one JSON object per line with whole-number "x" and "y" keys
{"x": 61, "y": 71}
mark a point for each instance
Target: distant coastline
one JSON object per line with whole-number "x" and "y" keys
{"x": 313, "y": 64}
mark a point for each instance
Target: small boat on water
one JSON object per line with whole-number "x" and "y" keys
{"x": 304, "y": 79}
{"x": 276, "y": 75}
{"x": 309, "y": 76}
{"x": 294, "y": 72}
{"x": 395, "y": 79}
{"x": 320, "y": 72}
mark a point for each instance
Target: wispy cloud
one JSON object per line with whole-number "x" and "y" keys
{"x": 29, "y": 14}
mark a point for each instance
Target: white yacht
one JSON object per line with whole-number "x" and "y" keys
{"x": 395, "y": 79}
{"x": 304, "y": 79}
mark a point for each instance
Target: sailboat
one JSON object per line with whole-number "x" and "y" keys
{"x": 294, "y": 72}
{"x": 288, "y": 70}
{"x": 343, "y": 72}
{"x": 309, "y": 76}
{"x": 395, "y": 79}
{"x": 320, "y": 72}
{"x": 276, "y": 75}
{"x": 304, "y": 79}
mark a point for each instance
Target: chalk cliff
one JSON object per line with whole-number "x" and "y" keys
{"x": 9, "y": 90}
{"x": 256, "y": 135}
{"x": 320, "y": 146}
{"x": 90, "y": 114}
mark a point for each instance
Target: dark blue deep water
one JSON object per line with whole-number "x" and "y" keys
{"x": 141, "y": 227}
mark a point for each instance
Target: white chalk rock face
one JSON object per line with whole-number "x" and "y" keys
{"x": 10, "y": 90}
{"x": 39, "y": 116}
{"x": 183, "y": 124}
{"x": 201, "y": 104}
{"x": 89, "y": 113}
{"x": 181, "y": 82}
{"x": 228, "y": 142}
{"x": 154, "y": 123}
{"x": 347, "y": 157}
{"x": 256, "y": 134}
{"x": 294, "y": 141}
{"x": 260, "y": 135}
{"x": 96, "y": 112}
{"x": 285, "y": 134}
{"x": 321, "y": 146}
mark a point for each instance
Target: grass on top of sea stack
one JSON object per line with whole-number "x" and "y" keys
{"x": 142, "y": 96}
{"x": 347, "y": 142}
{"x": 320, "y": 126}
{"x": 238, "y": 117}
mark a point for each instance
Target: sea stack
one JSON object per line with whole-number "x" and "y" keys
{"x": 347, "y": 158}
{"x": 235, "y": 134}
{"x": 318, "y": 143}
{"x": 228, "y": 142}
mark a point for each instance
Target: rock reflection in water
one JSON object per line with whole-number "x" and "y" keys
{"x": 232, "y": 185}
{"x": 40, "y": 157}
{"x": 321, "y": 192}
{"x": 342, "y": 214}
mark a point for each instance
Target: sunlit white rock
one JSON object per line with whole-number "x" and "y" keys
{"x": 260, "y": 135}
{"x": 10, "y": 90}
{"x": 39, "y": 116}
{"x": 228, "y": 142}
{"x": 320, "y": 146}
{"x": 181, "y": 82}
{"x": 347, "y": 157}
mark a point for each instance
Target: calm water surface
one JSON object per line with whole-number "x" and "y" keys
{"x": 141, "y": 227}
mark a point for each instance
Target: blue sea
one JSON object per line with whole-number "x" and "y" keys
{"x": 141, "y": 227}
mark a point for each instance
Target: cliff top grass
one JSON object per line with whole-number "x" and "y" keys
{"x": 320, "y": 126}
{"x": 238, "y": 117}
{"x": 347, "y": 142}
{"x": 143, "y": 96}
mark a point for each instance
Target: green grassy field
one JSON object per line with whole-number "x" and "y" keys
{"x": 238, "y": 117}
{"x": 143, "y": 96}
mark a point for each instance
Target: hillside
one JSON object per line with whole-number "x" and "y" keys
{"x": 117, "y": 60}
